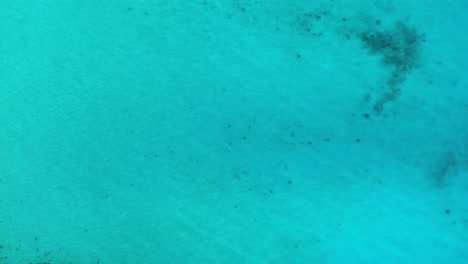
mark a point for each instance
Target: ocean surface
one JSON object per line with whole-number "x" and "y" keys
{"x": 233, "y": 131}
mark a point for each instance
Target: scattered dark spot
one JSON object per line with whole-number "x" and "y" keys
{"x": 447, "y": 211}
{"x": 244, "y": 137}
{"x": 399, "y": 48}
{"x": 365, "y": 116}
{"x": 389, "y": 96}
{"x": 289, "y": 182}
{"x": 298, "y": 56}
{"x": 271, "y": 191}
{"x": 129, "y": 8}
{"x": 326, "y": 139}
{"x": 344, "y": 19}
{"x": 309, "y": 143}
{"x": 358, "y": 140}
{"x": 442, "y": 169}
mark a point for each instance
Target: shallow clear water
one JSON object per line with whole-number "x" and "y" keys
{"x": 233, "y": 131}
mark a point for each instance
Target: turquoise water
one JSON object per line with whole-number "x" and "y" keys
{"x": 233, "y": 131}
